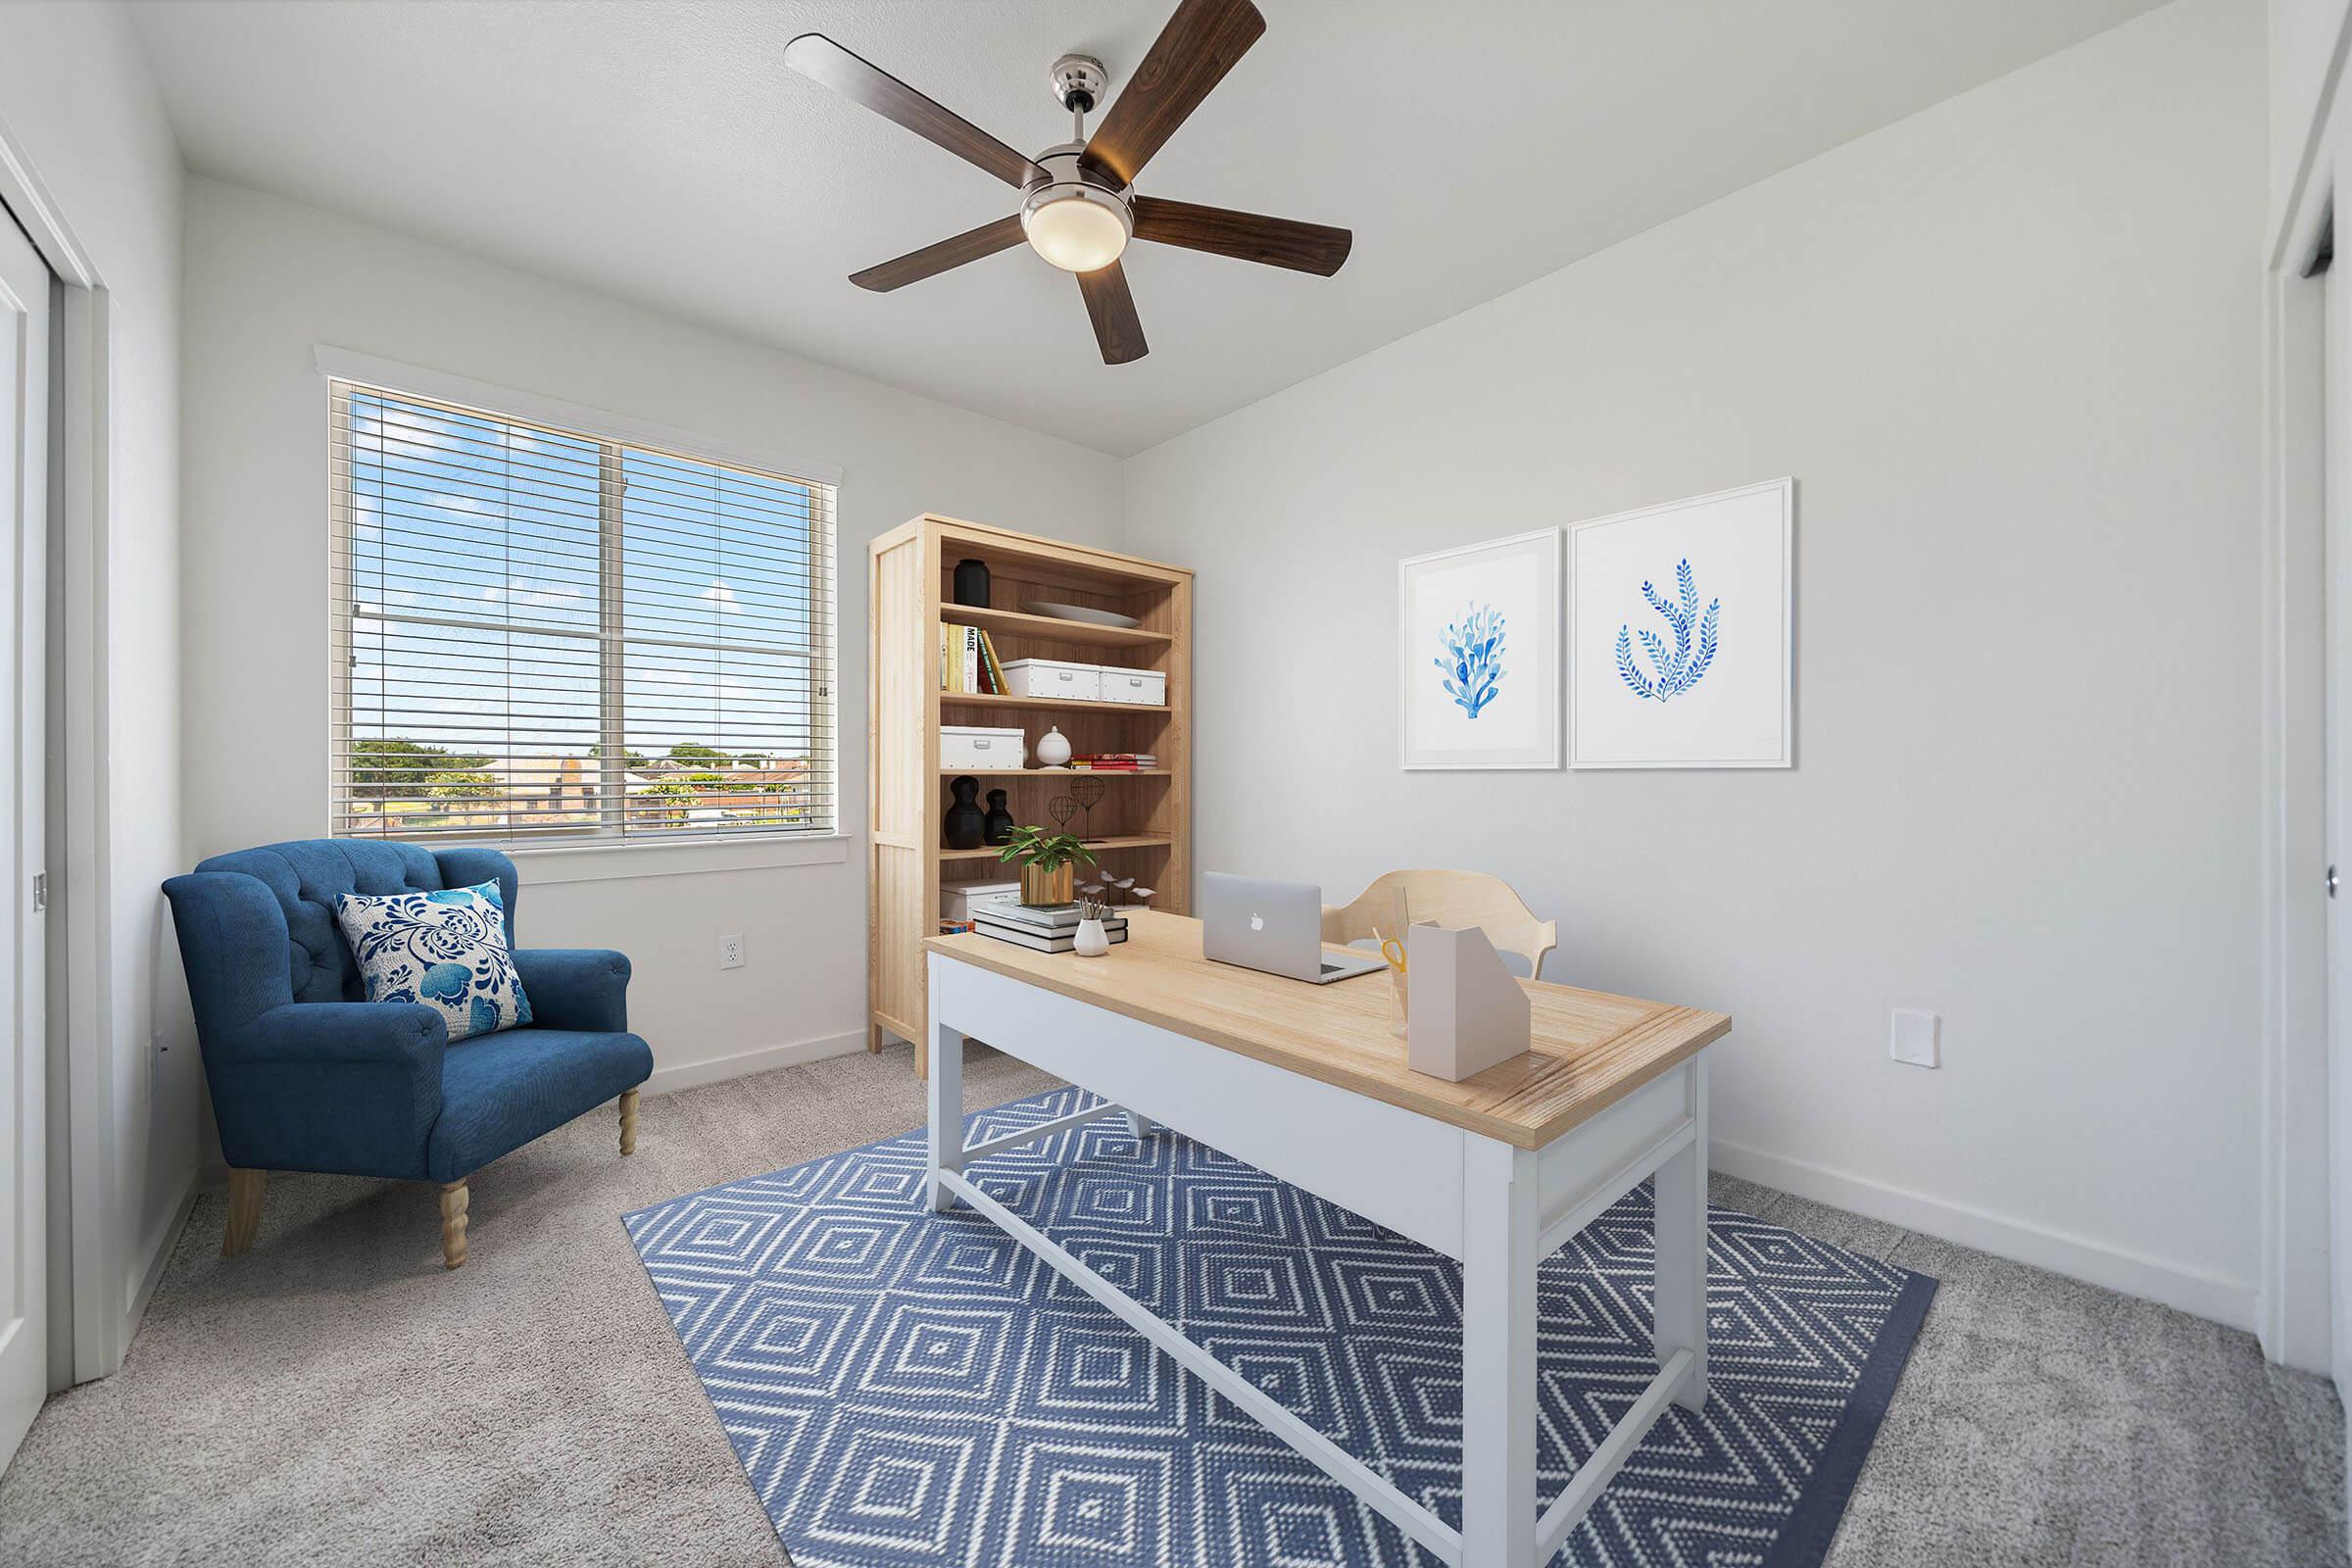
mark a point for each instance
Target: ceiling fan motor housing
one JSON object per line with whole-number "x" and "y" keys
{"x": 1077, "y": 233}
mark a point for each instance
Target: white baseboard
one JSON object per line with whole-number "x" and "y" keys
{"x": 688, "y": 1074}
{"x": 2176, "y": 1285}
{"x": 150, "y": 1270}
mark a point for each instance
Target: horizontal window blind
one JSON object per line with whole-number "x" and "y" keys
{"x": 543, "y": 635}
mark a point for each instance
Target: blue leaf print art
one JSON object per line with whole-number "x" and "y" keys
{"x": 1472, "y": 664}
{"x": 1673, "y": 671}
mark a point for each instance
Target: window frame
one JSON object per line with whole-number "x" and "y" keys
{"x": 598, "y": 851}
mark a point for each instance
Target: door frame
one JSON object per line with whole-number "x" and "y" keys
{"x": 2293, "y": 1295}
{"x": 87, "y": 1247}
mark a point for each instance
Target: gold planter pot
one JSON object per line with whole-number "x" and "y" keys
{"x": 1058, "y": 886}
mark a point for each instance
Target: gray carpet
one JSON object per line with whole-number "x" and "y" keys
{"x": 334, "y": 1397}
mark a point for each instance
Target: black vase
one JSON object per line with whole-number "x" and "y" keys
{"x": 971, "y": 583}
{"x": 963, "y": 824}
{"x": 997, "y": 827}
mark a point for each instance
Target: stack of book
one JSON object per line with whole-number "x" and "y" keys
{"x": 1052, "y": 928}
{"x": 1115, "y": 761}
{"x": 968, "y": 663}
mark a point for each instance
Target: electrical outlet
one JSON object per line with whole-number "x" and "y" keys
{"x": 730, "y": 952}
{"x": 1916, "y": 1037}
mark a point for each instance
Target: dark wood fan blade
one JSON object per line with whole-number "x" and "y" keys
{"x": 932, "y": 260}
{"x": 1112, "y": 307}
{"x": 1244, "y": 236}
{"x": 821, "y": 60}
{"x": 1192, "y": 54}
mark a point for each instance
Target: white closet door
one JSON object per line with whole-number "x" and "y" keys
{"x": 24, "y": 293}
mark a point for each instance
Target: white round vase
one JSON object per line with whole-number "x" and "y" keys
{"x": 1054, "y": 751}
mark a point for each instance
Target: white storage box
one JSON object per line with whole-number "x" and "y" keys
{"x": 1133, "y": 685}
{"x": 956, "y": 898}
{"x": 965, "y": 746}
{"x": 1048, "y": 677}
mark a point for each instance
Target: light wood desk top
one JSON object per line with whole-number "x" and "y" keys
{"x": 1590, "y": 1049}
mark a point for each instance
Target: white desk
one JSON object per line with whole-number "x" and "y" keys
{"x": 1307, "y": 1083}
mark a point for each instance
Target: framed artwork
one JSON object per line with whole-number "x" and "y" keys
{"x": 1479, "y": 635}
{"x": 1683, "y": 643}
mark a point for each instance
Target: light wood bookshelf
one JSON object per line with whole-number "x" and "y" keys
{"x": 1142, "y": 827}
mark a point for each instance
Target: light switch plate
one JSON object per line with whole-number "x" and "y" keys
{"x": 1916, "y": 1037}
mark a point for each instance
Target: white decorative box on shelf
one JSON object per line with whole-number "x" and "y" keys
{"x": 972, "y": 746}
{"x": 1051, "y": 678}
{"x": 1133, "y": 685}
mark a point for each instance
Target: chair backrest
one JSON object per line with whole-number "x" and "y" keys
{"x": 306, "y": 875}
{"x": 1454, "y": 900}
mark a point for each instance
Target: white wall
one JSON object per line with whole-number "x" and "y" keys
{"x": 2009, "y": 348}
{"x": 78, "y": 100}
{"x": 2307, "y": 39}
{"x": 268, "y": 281}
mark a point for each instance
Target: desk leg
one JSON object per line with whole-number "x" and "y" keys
{"x": 1680, "y": 1298}
{"x": 946, "y": 1087}
{"x": 1502, "y": 1203}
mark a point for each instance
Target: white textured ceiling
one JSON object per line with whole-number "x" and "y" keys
{"x": 662, "y": 153}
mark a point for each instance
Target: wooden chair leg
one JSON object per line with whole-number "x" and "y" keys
{"x": 628, "y": 1121}
{"x": 453, "y": 1224}
{"x": 873, "y": 1039}
{"x": 244, "y": 1211}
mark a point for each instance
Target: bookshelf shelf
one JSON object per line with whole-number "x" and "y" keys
{"x": 1021, "y": 624}
{"x": 1064, "y": 705}
{"x": 911, "y": 578}
{"x": 1123, "y": 841}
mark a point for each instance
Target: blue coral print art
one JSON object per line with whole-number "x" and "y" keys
{"x": 445, "y": 948}
{"x": 1672, "y": 671}
{"x": 1471, "y": 666}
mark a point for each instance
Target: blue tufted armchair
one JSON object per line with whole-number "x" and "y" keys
{"x": 307, "y": 1075}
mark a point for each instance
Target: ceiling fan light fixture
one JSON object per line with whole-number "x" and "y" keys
{"x": 1076, "y": 226}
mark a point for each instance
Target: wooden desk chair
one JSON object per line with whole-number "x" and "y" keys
{"x": 1453, "y": 899}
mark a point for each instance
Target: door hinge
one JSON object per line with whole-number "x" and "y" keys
{"x": 40, "y": 892}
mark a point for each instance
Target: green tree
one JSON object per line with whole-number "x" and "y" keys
{"x": 670, "y": 790}
{"x": 696, "y": 752}
{"x": 462, "y": 784}
{"x": 381, "y": 769}
{"x": 630, "y": 759}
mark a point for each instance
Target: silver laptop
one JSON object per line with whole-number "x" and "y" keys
{"x": 1274, "y": 926}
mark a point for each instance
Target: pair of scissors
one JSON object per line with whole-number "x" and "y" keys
{"x": 1392, "y": 950}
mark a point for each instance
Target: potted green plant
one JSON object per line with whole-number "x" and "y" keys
{"x": 1048, "y": 862}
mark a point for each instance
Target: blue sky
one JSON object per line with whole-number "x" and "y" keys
{"x": 462, "y": 518}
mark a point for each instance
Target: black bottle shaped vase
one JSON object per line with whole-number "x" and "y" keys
{"x": 971, "y": 583}
{"x": 997, "y": 827}
{"x": 963, "y": 824}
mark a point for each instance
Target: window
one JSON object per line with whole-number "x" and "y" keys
{"x": 545, "y": 636}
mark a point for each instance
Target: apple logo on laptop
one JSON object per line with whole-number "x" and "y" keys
{"x": 1257, "y": 922}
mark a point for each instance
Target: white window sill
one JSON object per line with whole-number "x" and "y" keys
{"x": 538, "y": 865}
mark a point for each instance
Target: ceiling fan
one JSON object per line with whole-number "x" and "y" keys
{"x": 1078, "y": 204}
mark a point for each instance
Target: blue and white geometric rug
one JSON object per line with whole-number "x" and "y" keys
{"x": 907, "y": 1388}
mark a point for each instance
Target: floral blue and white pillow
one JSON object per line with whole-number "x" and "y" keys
{"x": 446, "y": 948}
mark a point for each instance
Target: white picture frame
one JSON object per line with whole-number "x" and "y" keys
{"x": 1634, "y": 699}
{"x": 1510, "y": 718}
